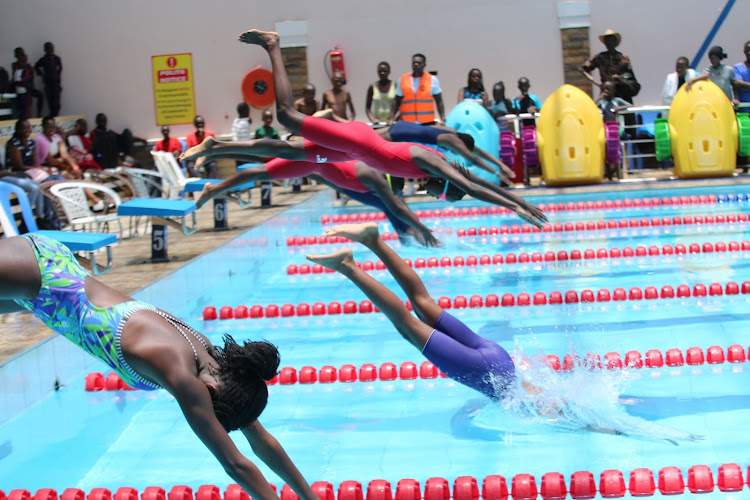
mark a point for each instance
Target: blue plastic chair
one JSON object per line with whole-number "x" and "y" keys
{"x": 7, "y": 219}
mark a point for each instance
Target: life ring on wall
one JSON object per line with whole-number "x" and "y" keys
{"x": 257, "y": 88}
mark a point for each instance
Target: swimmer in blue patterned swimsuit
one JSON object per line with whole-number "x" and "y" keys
{"x": 218, "y": 389}
{"x": 451, "y": 346}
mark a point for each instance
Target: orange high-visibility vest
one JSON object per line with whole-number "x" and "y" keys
{"x": 417, "y": 106}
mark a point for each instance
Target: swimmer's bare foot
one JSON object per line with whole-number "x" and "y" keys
{"x": 337, "y": 260}
{"x": 266, "y": 39}
{"x": 366, "y": 233}
{"x": 202, "y": 149}
{"x": 206, "y": 194}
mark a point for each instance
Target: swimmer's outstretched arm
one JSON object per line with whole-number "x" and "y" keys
{"x": 268, "y": 449}
{"x": 452, "y": 143}
{"x": 504, "y": 169}
{"x": 211, "y": 191}
{"x": 536, "y": 211}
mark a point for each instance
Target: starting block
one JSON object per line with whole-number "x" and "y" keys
{"x": 163, "y": 213}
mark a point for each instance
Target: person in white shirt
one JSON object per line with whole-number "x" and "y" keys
{"x": 241, "y": 125}
{"x": 683, "y": 73}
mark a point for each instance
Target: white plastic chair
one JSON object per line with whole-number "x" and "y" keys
{"x": 144, "y": 181}
{"x": 167, "y": 165}
{"x": 72, "y": 197}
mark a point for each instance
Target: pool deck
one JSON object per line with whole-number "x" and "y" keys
{"x": 132, "y": 271}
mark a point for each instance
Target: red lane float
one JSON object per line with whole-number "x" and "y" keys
{"x": 549, "y": 256}
{"x": 581, "y": 484}
{"x": 635, "y": 294}
{"x": 551, "y": 207}
{"x": 407, "y": 370}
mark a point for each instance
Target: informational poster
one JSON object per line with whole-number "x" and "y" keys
{"x": 174, "y": 96}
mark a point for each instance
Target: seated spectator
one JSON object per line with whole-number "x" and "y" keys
{"x": 266, "y": 131}
{"x": 380, "y": 96}
{"x": 338, "y": 99}
{"x": 241, "y": 124}
{"x": 105, "y": 147}
{"x": 168, "y": 144}
{"x": 525, "y": 102}
{"x": 742, "y": 78}
{"x": 20, "y": 155}
{"x": 683, "y": 73}
{"x": 307, "y": 104}
{"x": 195, "y": 138}
{"x": 718, "y": 72}
{"x": 52, "y": 152}
{"x": 474, "y": 89}
{"x": 23, "y": 82}
{"x": 79, "y": 146}
{"x": 609, "y": 106}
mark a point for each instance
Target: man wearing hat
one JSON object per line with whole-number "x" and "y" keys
{"x": 613, "y": 66}
{"x": 718, "y": 72}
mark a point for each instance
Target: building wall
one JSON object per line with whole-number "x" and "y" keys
{"x": 107, "y": 60}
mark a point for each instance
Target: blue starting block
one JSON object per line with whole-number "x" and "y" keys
{"x": 265, "y": 186}
{"x": 85, "y": 242}
{"x": 163, "y": 213}
{"x": 221, "y": 221}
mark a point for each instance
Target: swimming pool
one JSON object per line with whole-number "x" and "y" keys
{"x": 423, "y": 428}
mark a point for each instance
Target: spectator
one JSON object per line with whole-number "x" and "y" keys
{"x": 23, "y": 83}
{"x": 168, "y": 144}
{"x": 307, "y": 104}
{"x": 338, "y": 99}
{"x": 474, "y": 90}
{"x": 80, "y": 145}
{"x": 610, "y": 105}
{"x": 718, "y": 72}
{"x": 49, "y": 67}
{"x": 613, "y": 66}
{"x": 380, "y": 95}
{"x": 241, "y": 124}
{"x": 195, "y": 138}
{"x": 742, "y": 78}
{"x": 266, "y": 131}
{"x": 683, "y": 73}
{"x": 415, "y": 92}
{"x": 105, "y": 147}
{"x": 20, "y": 154}
{"x": 525, "y": 102}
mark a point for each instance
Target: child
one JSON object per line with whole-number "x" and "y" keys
{"x": 307, "y": 104}
{"x": 610, "y": 105}
{"x": 241, "y": 125}
{"x": 266, "y": 131}
{"x": 338, "y": 99}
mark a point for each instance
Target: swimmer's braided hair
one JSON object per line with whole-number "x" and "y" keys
{"x": 243, "y": 370}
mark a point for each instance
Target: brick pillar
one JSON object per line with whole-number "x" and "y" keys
{"x": 295, "y": 61}
{"x": 574, "y": 19}
{"x": 575, "y": 51}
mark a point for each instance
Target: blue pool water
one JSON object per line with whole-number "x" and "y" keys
{"x": 424, "y": 428}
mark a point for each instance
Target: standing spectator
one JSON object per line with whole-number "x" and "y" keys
{"x": 266, "y": 131}
{"x": 717, "y": 72}
{"x": 49, "y": 67}
{"x": 525, "y": 102}
{"x": 610, "y": 105}
{"x": 338, "y": 99}
{"x": 500, "y": 105}
{"x": 168, "y": 144}
{"x": 23, "y": 83}
{"x": 742, "y": 78}
{"x": 683, "y": 73}
{"x": 195, "y": 138}
{"x": 613, "y": 66}
{"x": 307, "y": 104}
{"x": 241, "y": 124}
{"x": 415, "y": 92}
{"x": 474, "y": 90}
{"x": 380, "y": 95}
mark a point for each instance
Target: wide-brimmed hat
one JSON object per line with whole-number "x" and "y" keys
{"x": 610, "y": 33}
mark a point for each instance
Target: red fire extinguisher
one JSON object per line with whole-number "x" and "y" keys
{"x": 336, "y": 56}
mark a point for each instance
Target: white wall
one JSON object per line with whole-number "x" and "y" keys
{"x": 107, "y": 46}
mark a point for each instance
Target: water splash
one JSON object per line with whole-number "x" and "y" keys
{"x": 584, "y": 400}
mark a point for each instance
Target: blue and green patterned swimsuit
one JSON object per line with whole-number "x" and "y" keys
{"x": 63, "y": 306}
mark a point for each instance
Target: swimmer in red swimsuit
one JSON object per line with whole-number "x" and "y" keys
{"x": 352, "y": 178}
{"x": 328, "y": 141}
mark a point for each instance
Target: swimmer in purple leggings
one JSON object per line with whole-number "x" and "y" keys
{"x": 327, "y": 141}
{"x": 219, "y": 389}
{"x": 449, "y": 344}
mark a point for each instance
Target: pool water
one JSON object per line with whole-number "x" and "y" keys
{"x": 435, "y": 427}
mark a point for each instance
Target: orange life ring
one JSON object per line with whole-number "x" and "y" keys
{"x": 257, "y": 88}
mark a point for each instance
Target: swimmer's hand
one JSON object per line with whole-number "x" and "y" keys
{"x": 426, "y": 239}
{"x": 532, "y": 215}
